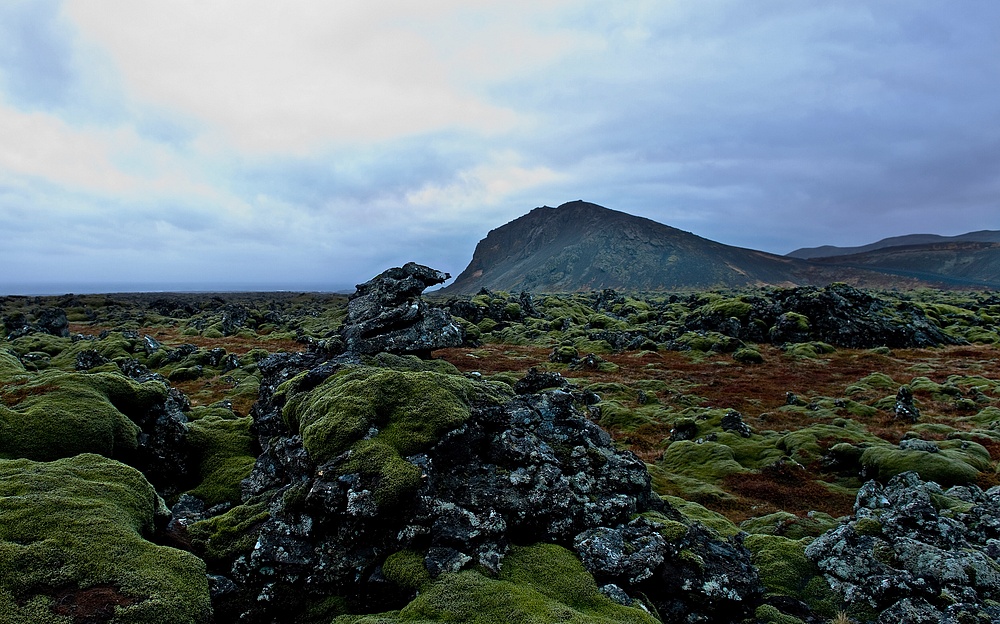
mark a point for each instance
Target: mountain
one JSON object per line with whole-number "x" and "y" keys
{"x": 952, "y": 264}
{"x": 828, "y": 251}
{"x": 583, "y": 246}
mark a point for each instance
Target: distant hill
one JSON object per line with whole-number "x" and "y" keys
{"x": 828, "y": 251}
{"x": 952, "y": 264}
{"x": 581, "y": 246}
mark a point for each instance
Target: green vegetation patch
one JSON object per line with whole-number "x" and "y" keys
{"x": 540, "y": 583}
{"x": 224, "y": 449}
{"x": 54, "y": 414}
{"x": 785, "y": 570}
{"x": 949, "y": 466}
{"x": 383, "y": 416}
{"x": 78, "y": 524}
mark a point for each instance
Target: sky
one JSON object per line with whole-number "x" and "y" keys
{"x": 309, "y": 144}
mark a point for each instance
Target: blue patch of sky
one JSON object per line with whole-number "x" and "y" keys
{"x": 35, "y": 54}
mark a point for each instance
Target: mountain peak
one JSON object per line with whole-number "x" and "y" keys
{"x": 583, "y": 246}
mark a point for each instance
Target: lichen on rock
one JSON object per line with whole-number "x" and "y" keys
{"x": 915, "y": 548}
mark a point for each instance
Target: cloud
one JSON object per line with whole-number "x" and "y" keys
{"x": 311, "y": 139}
{"x": 483, "y": 185}
{"x": 293, "y": 77}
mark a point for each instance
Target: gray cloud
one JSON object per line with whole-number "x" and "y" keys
{"x": 771, "y": 125}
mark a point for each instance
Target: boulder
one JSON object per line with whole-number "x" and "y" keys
{"x": 916, "y": 553}
{"x": 387, "y": 314}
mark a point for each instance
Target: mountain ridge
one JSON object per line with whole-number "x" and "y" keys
{"x": 907, "y": 240}
{"x": 581, "y": 246}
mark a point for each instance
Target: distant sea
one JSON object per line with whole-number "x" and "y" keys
{"x": 89, "y": 288}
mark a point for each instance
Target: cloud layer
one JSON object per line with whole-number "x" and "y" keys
{"x": 313, "y": 144}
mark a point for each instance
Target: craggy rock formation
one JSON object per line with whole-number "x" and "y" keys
{"x": 47, "y": 321}
{"x": 818, "y": 317}
{"x": 364, "y": 467}
{"x": 916, "y": 553}
{"x": 386, "y": 314}
{"x": 905, "y": 409}
{"x": 845, "y": 316}
{"x": 838, "y": 314}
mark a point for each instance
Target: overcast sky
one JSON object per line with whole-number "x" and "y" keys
{"x": 202, "y": 144}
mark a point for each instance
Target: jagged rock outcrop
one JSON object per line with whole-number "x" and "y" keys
{"x": 47, "y": 321}
{"x": 916, "y": 553}
{"x": 507, "y": 469}
{"x": 838, "y": 314}
{"x": 386, "y": 314}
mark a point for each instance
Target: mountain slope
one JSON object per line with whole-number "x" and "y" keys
{"x": 953, "y": 264}
{"x": 828, "y": 251}
{"x": 583, "y": 246}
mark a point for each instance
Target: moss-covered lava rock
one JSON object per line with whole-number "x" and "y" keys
{"x": 74, "y": 548}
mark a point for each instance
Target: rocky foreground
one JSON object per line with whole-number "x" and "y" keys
{"x": 365, "y": 482}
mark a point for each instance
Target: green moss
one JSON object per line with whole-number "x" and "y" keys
{"x": 80, "y": 522}
{"x": 709, "y": 461}
{"x": 401, "y": 412}
{"x": 541, "y": 583}
{"x": 789, "y": 525}
{"x": 697, "y": 513}
{"x": 671, "y": 530}
{"x": 810, "y": 350}
{"x": 225, "y": 452}
{"x": 868, "y": 526}
{"x": 946, "y": 469}
{"x": 396, "y": 477}
{"x": 221, "y": 538}
{"x": 55, "y": 414}
{"x": 747, "y": 355}
{"x": 40, "y": 343}
{"x": 406, "y": 568}
{"x": 414, "y": 364}
{"x": 727, "y": 308}
{"x": 769, "y": 614}
{"x": 804, "y": 445}
{"x": 782, "y": 563}
{"x": 10, "y": 366}
{"x": 874, "y": 381}
{"x": 987, "y": 417}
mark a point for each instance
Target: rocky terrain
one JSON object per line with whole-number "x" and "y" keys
{"x": 798, "y": 454}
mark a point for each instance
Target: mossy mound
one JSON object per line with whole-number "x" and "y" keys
{"x": 959, "y": 462}
{"x": 53, "y": 414}
{"x": 74, "y": 529}
{"x": 382, "y": 416}
{"x": 541, "y": 583}
{"x": 224, "y": 448}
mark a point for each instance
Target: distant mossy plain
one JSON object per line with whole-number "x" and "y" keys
{"x": 821, "y": 416}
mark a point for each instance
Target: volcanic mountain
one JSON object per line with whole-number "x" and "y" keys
{"x": 910, "y": 240}
{"x": 583, "y": 246}
{"x": 953, "y": 264}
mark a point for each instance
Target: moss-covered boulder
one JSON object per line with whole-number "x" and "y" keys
{"x": 953, "y": 462}
{"x": 48, "y": 415}
{"x": 383, "y": 416}
{"x": 540, "y": 583}
{"x": 74, "y": 548}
